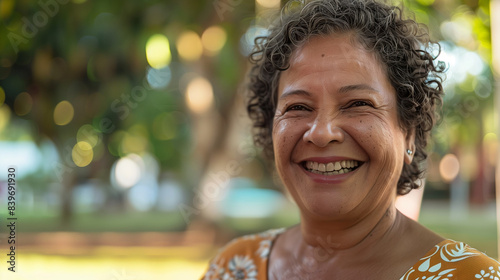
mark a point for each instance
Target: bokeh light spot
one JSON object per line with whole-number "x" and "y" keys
{"x": 189, "y": 46}
{"x": 127, "y": 172}
{"x": 4, "y": 117}
{"x": 115, "y": 143}
{"x": 482, "y": 87}
{"x": 82, "y": 154}
{"x": 199, "y": 95}
{"x": 458, "y": 31}
{"x": 426, "y": 2}
{"x": 269, "y": 3}
{"x": 460, "y": 63}
{"x": 6, "y": 7}
{"x": 247, "y": 41}
{"x": 159, "y": 78}
{"x": 490, "y": 143}
{"x": 23, "y": 104}
{"x": 158, "y": 51}
{"x": 490, "y": 137}
{"x": 135, "y": 140}
{"x": 63, "y": 113}
{"x": 2, "y": 96}
{"x": 213, "y": 39}
{"x": 474, "y": 62}
{"x": 133, "y": 144}
{"x": 449, "y": 167}
{"x": 88, "y": 134}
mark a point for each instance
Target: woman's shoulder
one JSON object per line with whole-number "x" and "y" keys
{"x": 246, "y": 254}
{"x": 454, "y": 260}
{"x": 247, "y": 244}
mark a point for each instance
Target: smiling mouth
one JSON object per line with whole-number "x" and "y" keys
{"x": 332, "y": 168}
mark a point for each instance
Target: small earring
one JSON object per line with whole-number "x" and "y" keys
{"x": 409, "y": 152}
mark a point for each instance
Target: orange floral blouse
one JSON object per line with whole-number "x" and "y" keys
{"x": 245, "y": 258}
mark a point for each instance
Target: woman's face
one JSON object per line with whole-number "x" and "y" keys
{"x": 338, "y": 145}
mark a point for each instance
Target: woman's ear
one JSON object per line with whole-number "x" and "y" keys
{"x": 409, "y": 145}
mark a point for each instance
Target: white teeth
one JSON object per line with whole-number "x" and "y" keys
{"x": 315, "y": 165}
{"x": 309, "y": 164}
{"x": 330, "y": 167}
{"x": 337, "y": 166}
{"x": 322, "y": 167}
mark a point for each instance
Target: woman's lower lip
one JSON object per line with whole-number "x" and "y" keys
{"x": 328, "y": 179}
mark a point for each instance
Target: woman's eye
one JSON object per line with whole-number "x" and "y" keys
{"x": 297, "y": 108}
{"x": 359, "y": 103}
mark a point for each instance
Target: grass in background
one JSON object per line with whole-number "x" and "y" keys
{"x": 104, "y": 222}
{"x": 104, "y": 267}
{"x": 477, "y": 227}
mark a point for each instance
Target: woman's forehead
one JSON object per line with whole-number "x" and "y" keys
{"x": 331, "y": 49}
{"x": 332, "y": 55}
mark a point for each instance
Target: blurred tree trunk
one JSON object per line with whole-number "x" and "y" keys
{"x": 67, "y": 198}
{"x": 482, "y": 186}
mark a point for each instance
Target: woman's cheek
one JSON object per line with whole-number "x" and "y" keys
{"x": 286, "y": 135}
{"x": 279, "y": 137}
{"x": 361, "y": 130}
{"x": 370, "y": 131}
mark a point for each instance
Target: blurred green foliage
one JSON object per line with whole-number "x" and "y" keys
{"x": 92, "y": 54}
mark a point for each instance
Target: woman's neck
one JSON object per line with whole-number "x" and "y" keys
{"x": 379, "y": 246}
{"x": 330, "y": 239}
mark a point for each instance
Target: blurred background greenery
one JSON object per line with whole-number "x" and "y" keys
{"x": 126, "y": 125}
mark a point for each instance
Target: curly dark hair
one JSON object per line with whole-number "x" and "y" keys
{"x": 401, "y": 44}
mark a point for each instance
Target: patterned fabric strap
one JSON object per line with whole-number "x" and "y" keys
{"x": 244, "y": 258}
{"x": 454, "y": 260}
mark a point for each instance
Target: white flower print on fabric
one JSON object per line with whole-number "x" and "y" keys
{"x": 264, "y": 249}
{"x": 454, "y": 252}
{"x": 265, "y": 245}
{"x": 214, "y": 272}
{"x": 489, "y": 274}
{"x": 436, "y": 265}
{"x": 241, "y": 268}
{"x": 450, "y": 252}
{"x": 434, "y": 268}
{"x": 247, "y": 237}
{"x": 442, "y": 275}
{"x": 483, "y": 275}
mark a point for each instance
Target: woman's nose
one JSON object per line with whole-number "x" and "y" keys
{"x": 324, "y": 131}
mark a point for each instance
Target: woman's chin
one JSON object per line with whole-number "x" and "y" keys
{"x": 326, "y": 210}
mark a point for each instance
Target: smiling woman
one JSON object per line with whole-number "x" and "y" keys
{"x": 336, "y": 105}
{"x": 343, "y": 97}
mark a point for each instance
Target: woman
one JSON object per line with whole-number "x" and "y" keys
{"x": 343, "y": 95}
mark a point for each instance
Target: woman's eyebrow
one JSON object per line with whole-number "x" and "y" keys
{"x": 356, "y": 87}
{"x": 294, "y": 92}
{"x": 344, "y": 89}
